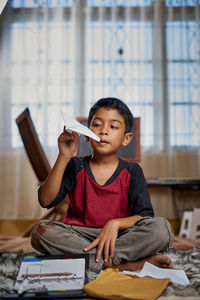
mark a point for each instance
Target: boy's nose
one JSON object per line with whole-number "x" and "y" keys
{"x": 103, "y": 133}
{"x": 104, "y": 130}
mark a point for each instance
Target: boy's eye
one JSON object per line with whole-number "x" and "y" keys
{"x": 96, "y": 124}
{"x": 113, "y": 127}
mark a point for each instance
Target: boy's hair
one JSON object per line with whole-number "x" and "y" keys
{"x": 114, "y": 103}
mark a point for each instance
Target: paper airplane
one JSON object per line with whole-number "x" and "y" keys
{"x": 2, "y": 5}
{"x": 73, "y": 125}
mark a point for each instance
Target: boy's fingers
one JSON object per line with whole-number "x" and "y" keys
{"x": 99, "y": 251}
{"x": 106, "y": 252}
{"x": 76, "y": 136}
{"x": 112, "y": 248}
{"x": 91, "y": 245}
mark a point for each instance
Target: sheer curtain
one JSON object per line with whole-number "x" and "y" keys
{"x": 177, "y": 101}
{"x": 64, "y": 55}
{"x": 35, "y": 67}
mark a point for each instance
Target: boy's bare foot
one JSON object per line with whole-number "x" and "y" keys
{"x": 161, "y": 261}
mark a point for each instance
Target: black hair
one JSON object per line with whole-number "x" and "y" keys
{"x": 114, "y": 103}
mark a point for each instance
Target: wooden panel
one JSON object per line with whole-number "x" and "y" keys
{"x": 32, "y": 145}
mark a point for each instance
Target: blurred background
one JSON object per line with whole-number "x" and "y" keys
{"x": 63, "y": 55}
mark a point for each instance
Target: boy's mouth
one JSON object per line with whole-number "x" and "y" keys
{"x": 103, "y": 142}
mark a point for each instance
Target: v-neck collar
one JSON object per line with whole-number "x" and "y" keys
{"x": 110, "y": 180}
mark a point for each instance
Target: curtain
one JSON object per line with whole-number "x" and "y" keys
{"x": 31, "y": 73}
{"x": 65, "y": 55}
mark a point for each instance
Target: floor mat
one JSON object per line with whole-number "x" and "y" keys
{"x": 187, "y": 260}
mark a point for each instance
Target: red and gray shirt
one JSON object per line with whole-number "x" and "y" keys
{"x": 92, "y": 205}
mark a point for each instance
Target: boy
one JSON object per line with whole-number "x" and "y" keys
{"x": 110, "y": 213}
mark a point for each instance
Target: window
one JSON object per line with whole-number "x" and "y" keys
{"x": 183, "y": 83}
{"x": 41, "y": 74}
{"x": 41, "y": 3}
{"x": 118, "y": 59}
{"x": 118, "y": 65}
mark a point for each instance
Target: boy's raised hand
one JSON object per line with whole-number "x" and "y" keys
{"x": 105, "y": 241}
{"x": 67, "y": 143}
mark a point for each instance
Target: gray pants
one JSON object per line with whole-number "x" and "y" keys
{"x": 146, "y": 237}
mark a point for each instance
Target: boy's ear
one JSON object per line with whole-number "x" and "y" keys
{"x": 127, "y": 138}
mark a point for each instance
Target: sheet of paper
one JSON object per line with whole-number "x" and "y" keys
{"x": 2, "y": 5}
{"x": 149, "y": 270}
{"x": 74, "y": 281}
{"x": 73, "y": 125}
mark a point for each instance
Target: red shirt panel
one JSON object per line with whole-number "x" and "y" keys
{"x": 93, "y": 205}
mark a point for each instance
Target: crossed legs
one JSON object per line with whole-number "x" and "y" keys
{"x": 141, "y": 242}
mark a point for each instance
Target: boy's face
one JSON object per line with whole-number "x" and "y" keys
{"x": 109, "y": 125}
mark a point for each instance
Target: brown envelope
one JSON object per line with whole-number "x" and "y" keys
{"x": 110, "y": 284}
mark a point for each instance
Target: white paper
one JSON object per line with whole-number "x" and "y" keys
{"x": 149, "y": 270}
{"x": 2, "y": 5}
{"x": 73, "y": 125}
{"x": 52, "y": 283}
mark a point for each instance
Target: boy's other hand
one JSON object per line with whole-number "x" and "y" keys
{"x": 105, "y": 241}
{"x": 67, "y": 143}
